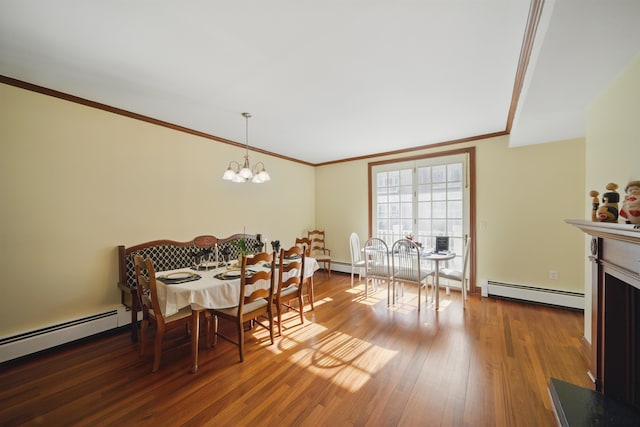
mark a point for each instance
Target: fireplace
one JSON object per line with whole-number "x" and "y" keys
{"x": 615, "y": 310}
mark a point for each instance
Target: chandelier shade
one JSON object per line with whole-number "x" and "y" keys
{"x": 235, "y": 173}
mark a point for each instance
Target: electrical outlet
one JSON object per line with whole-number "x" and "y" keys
{"x": 553, "y": 275}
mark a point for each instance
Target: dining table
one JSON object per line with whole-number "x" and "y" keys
{"x": 437, "y": 257}
{"x": 209, "y": 286}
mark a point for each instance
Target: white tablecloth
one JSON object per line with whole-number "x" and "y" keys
{"x": 209, "y": 292}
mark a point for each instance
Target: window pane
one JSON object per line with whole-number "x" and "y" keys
{"x": 439, "y": 209}
{"x": 454, "y": 209}
{"x": 424, "y": 175}
{"x": 439, "y": 227}
{"x": 383, "y": 211}
{"x": 454, "y": 190}
{"x": 439, "y": 192}
{"x": 454, "y": 172}
{"x": 424, "y": 210}
{"x": 439, "y": 173}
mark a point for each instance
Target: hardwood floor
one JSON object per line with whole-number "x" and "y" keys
{"x": 354, "y": 362}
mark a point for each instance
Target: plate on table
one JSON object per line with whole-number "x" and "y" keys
{"x": 178, "y": 277}
{"x": 232, "y": 274}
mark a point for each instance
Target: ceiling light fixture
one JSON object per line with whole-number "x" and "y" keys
{"x": 257, "y": 174}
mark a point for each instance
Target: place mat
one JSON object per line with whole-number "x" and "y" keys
{"x": 231, "y": 275}
{"x": 292, "y": 257}
{"x": 178, "y": 277}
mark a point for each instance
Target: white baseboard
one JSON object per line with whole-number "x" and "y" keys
{"x": 30, "y": 342}
{"x": 555, "y": 297}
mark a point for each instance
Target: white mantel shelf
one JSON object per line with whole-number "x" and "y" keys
{"x": 612, "y": 230}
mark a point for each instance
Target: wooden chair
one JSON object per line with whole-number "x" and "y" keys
{"x": 291, "y": 266}
{"x": 460, "y": 276}
{"x": 357, "y": 261}
{"x": 305, "y": 243}
{"x": 319, "y": 250}
{"x": 151, "y": 312}
{"x": 406, "y": 266}
{"x": 377, "y": 266}
{"x": 251, "y": 304}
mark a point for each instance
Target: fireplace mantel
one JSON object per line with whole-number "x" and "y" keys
{"x": 624, "y": 232}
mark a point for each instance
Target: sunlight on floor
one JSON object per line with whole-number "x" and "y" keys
{"x": 345, "y": 360}
{"x": 374, "y": 297}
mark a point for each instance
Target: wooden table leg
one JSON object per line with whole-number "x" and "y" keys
{"x": 195, "y": 337}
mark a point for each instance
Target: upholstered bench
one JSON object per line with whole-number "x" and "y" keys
{"x": 171, "y": 255}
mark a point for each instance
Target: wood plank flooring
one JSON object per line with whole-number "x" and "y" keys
{"x": 354, "y": 362}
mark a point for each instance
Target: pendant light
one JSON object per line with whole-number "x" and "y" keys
{"x": 257, "y": 174}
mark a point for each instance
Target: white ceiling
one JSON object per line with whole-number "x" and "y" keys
{"x": 327, "y": 80}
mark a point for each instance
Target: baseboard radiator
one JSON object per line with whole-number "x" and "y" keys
{"x": 34, "y": 341}
{"x": 534, "y": 294}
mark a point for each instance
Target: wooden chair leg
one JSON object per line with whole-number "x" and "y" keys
{"x": 301, "y": 308}
{"x": 143, "y": 334}
{"x": 279, "y": 312}
{"x": 310, "y": 291}
{"x": 157, "y": 352}
{"x": 270, "y": 313}
{"x": 241, "y": 340}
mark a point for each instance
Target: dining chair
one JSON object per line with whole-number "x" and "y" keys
{"x": 407, "y": 268}
{"x": 290, "y": 283}
{"x": 460, "y": 276}
{"x": 152, "y": 314}
{"x": 253, "y": 301}
{"x": 377, "y": 267}
{"x": 357, "y": 261}
{"x": 305, "y": 243}
{"x": 318, "y": 249}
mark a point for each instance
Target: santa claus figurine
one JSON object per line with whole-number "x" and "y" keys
{"x": 631, "y": 204}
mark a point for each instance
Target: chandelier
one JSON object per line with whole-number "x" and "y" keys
{"x": 257, "y": 174}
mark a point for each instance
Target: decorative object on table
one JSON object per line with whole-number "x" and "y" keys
{"x": 275, "y": 245}
{"x": 241, "y": 244}
{"x": 442, "y": 244}
{"x": 226, "y": 252}
{"x": 595, "y": 204}
{"x": 608, "y": 210}
{"x": 202, "y": 259}
{"x": 257, "y": 174}
{"x": 630, "y": 209}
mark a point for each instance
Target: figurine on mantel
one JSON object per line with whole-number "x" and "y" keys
{"x": 608, "y": 210}
{"x": 631, "y": 204}
{"x": 595, "y": 204}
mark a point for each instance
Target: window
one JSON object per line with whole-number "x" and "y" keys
{"x": 421, "y": 198}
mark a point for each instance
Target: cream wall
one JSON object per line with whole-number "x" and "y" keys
{"x": 76, "y": 182}
{"x": 523, "y": 196}
{"x": 613, "y": 145}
